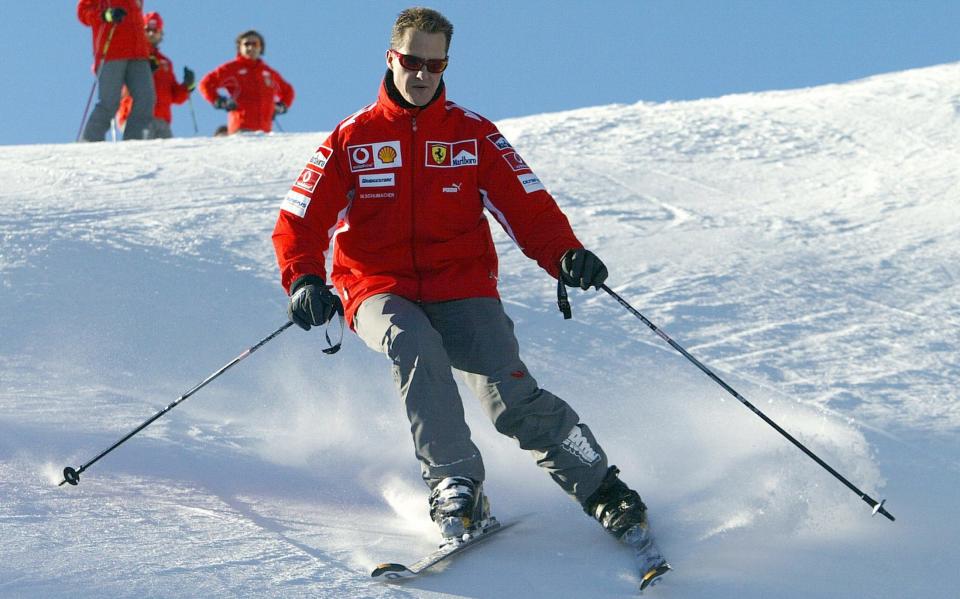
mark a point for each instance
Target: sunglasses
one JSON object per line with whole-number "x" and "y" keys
{"x": 415, "y": 63}
{"x": 251, "y": 43}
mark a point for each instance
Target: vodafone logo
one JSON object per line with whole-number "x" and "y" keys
{"x": 361, "y": 158}
{"x": 515, "y": 161}
{"x": 308, "y": 180}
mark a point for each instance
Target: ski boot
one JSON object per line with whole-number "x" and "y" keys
{"x": 460, "y": 508}
{"x": 621, "y": 512}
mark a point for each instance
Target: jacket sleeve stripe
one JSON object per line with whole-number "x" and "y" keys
{"x": 488, "y": 203}
{"x": 342, "y": 225}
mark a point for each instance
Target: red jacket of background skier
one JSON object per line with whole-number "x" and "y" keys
{"x": 169, "y": 91}
{"x": 254, "y": 86}
{"x": 127, "y": 42}
{"x": 404, "y": 191}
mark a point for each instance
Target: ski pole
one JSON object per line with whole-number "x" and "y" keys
{"x": 277, "y": 122}
{"x": 877, "y": 507}
{"x": 72, "y": 475}
{"x": 96, "y": 79}
{"x": 193, "y": 114}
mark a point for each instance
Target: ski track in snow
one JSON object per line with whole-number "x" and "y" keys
{"x": 802, "y": 244}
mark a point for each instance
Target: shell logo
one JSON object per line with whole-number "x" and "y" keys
{"x": 387, "y": 154}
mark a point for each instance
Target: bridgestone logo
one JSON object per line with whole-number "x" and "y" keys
{"x": 381, "y": 180}
{"x": 579, "y": 446}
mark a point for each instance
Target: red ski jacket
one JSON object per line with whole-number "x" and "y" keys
{"x": 254, "y": 86}
{"x": 404, "y": 191}
{"x": 168, "y": 91}
{"x": 128, "y": 41}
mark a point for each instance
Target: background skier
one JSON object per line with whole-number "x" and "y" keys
{"x": 121, "y": 56}
{"x": 255, "y": 92}
{"x": 168, "y": 90}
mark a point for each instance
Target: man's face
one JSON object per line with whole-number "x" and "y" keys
{"x": 418, "y": 87}
{"x": 154, "y": 36}
{"x": 250, "y": 47}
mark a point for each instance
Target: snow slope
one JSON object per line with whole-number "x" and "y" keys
{"x": 804, "y": 244}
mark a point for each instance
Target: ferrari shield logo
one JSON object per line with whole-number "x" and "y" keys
{"x": 439, "y": 153}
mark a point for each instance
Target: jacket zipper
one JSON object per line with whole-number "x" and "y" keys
{"x": 413, "y": 211}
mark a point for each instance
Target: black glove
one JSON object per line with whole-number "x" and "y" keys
{"x": 114, "y": 15}
{"x": 154, "y": 64}
{"x": 312, "y": 303}
{"x": 581, "y": 268}
{"x": 280, "y": 108}
{"x": 189, "y": 79}
{"x": 227, "y": 104}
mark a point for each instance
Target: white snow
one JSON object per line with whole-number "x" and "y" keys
{"x": 804, "y": 244}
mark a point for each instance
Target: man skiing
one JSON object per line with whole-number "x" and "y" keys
{"x": 255, "y": 92}
{"x": 168, "y": 91}
{"x": 121, "y": 56}
{"x": 402, "y": 184}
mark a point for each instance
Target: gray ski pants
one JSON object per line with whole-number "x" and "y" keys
{"x": 114, "y": 74}
{"x": 475, "y": 337}
{"x": 158, "y": 129}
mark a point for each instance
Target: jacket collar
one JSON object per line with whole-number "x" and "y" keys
{"x": 247, "y": 62}
{"x": 395, "y": 107}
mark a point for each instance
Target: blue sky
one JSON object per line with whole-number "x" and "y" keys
{"x": 507, "y": 59}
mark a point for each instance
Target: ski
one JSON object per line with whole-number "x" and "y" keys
{"x": 651, "y": 564}
{"x": 393, "y": 571}
{"x": 652, "y": 576}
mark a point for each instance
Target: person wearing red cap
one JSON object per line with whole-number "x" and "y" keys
{"x": 255, "y": 92}
{"x": 168, "y": 91}
{"x": 121, "y": 57}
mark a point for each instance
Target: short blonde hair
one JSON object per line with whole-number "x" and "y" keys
{"x": 422, "y": 19}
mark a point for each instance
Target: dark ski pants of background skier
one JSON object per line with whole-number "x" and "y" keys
{"x": 158, "y": 129}
{"x": 475, "y": 337}
{"x": 138, "y": 78}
